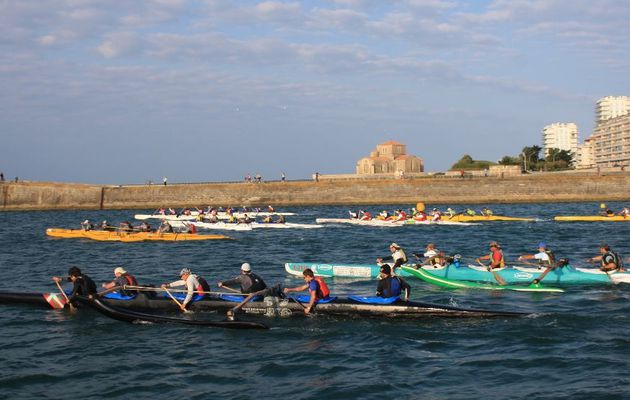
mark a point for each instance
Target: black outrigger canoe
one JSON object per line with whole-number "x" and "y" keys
{"x": 272, "y": 306}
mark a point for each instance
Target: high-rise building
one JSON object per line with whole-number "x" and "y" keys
{"x": 585, "y": 156}
{"x": 611, "y": 107}
{"x": 563, "y": 136}
{"x": 612, "y": 142}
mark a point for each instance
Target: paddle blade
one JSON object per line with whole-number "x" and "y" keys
{"x": 55, "y": 300}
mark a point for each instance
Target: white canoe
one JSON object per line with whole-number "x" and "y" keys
{"x": 393, "y": 223}
{"x": 216, "y": 225}
{"x": 286, "y": 225}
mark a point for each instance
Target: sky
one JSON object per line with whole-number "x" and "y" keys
{"x": 116, "y": 92}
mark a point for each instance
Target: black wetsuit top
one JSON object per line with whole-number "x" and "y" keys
{"x": 392, "y": 286}
{"x": 83, "y": 286}
{"x": 249, "y": 283}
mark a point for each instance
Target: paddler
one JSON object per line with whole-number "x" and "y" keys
{"x": 450, "y": 212}
{"x": 106, "y": 226}
{"x": 365, "y": 215}
{"x": 436, "y": 215}
{"x": 166, "y": 227}
{"x": 391, "y": 286}
{"x": 432, "y": 256}
{"x": 195, "y": 286}
{"x": 317, "y": 289}
{"x": 544, "y": 257}
{"x": 245, "y": 220}
{"x": 470, "y": 212}
{"x": 144, "y": 227}
{"x": 398, "y": 256}
{"x": 281, "y": 220}
{"x": 87, "y": 225}
{"x": 495, "y": 257}
{"x": 609, "y": 260}
{"x": 267, "y": 219}
{"x": 122, "y": 278}
{"x": 247, "y": 280}
{"x": 82, "y": 285}
{"x": 625, "y": 212}
{"x": 486, "y": 212}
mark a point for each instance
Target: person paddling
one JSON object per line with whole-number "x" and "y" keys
{"x": 247, "y": 280}
{"x": 195, "y": 286}
{"x": 495, "y": 257}
{"x": 398, "y": 256}
{"x": 122, "y": 278}
{"x": 82, "y": 285}
{"x": 609, "y": 260}
{"x": 317, "y": 288}
{"x": 544, "y": 257}
{"x": 432, "y": 256}
{"x": 391, "y": 286}
{"x": 166, "y": 227}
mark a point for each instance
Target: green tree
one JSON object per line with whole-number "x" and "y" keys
{"x": 507, "y": 160}
{"x": 467, "y": 162}
{"x": 531, "y": 156}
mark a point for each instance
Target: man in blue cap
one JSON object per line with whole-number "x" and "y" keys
{"x": 544, "y": 257}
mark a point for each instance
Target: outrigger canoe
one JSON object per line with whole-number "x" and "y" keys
{"x": 353, "y": 306}
{"x": 592, "y": 218}
{"x": 115, "y": 236}
{"x": 482, "y": 218}
{"x": 386, "y": 223}
{"x": 455, "y": 284}
{"x": 566, "y": 275}
{"x": 193, "y": 215}
{"x": 245, "y": 227}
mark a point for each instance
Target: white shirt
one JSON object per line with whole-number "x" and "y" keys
{"x": 542, "y": 256}
{"x": 191, "y": 284}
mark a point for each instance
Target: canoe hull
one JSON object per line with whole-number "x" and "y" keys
{"x": 592, "y": 218}
{"x": 114, "y": 236}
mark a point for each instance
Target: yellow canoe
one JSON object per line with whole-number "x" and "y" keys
{"x": 482, "y": 218}
{"x": 592, "y": 218}
{"x": 115, "y": 236}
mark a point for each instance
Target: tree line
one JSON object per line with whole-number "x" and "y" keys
{"x": 529, "y": 159}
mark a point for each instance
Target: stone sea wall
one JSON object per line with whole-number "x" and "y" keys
{"x": 527, "y": 188}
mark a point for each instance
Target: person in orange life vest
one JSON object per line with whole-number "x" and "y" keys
{"x": 365, "y": 215}
{"x": 194, "y": 285}
{"x": 123, "y": 278}
{"x": 420, "y": 216}
{"x": 316, "y": 286}
{"x": 495, "y": 257}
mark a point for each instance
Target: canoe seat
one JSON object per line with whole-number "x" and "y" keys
{"x": 118, "y": 296}
{"x": 182, "y": 296}
{"x": 374, "y": 299}
{"x": 305, "y": 298}
{"x": 237, "y": 298}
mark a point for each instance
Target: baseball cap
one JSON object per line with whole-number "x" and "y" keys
{"x": 394, "y": 245}
{"x": 119, "y": 270}
{"x": 184, "y": 271}
{"x": 246, "y": 267}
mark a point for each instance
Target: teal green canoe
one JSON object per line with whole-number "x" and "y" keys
{"x": 455, "y": 284}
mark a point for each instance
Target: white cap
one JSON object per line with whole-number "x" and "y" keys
{"x": 119, "y": 270}
{"x": 246, "y": 267}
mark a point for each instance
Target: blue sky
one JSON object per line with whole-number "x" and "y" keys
{"x": 123, "y": 92}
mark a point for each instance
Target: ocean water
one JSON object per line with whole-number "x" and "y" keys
{"x": 573, "y": 345}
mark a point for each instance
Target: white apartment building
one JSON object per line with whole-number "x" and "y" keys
{"x": 563, "y": 136}
{"x": 611, "y": 107}
{"x": 612, "y": 142}
{"x": 585, "y": 156}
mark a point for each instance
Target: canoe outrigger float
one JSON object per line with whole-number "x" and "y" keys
{"x": 454, "y": 284}
{"x": 118, "y": 236}
{"x": 353, "y": 306}
{"x": 566, "y": 275}
{"x": 592, "y": 218}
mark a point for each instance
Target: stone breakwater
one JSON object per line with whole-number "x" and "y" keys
{"x": 520, "y": 189}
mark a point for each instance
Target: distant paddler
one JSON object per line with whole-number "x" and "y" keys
{"x": 196, "y": 287}
{"x": 122, "y": 278}
{"x": 365, "y": 215}
{"x": 436, "y": 215}
{"x": 87, "y": 225}
{"x": 486, "y": 212}
{"x": 398, "y": 256}
{"x": 245, "y": 220}
{"x": 144, "y": 227}
{"x": 470, "y": 212}
{"x": 544, "y": 257}
{"x": 317, "y": 289}
{"x": 391, "y": 286}
{"x": 609, "y": 260}
{"x": 605, "y": 211}
{"x": 400, "y": 215}
{"x": 450, "y": 212}
{"x": 106, "y": 226}
{"x": 625, "y": 212}
{"x": 166, "y": 227}
{"x": 281, "y": 220}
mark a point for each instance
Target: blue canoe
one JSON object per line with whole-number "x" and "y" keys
{"x": 560, "y": 276}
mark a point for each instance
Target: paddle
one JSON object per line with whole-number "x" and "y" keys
{"x": 72, "y": 308}
{"x": 181, "y": 306}
{"x": 497, "y": 277}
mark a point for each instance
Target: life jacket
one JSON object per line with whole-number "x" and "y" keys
{"x": 501, "y": 262}
{"x": 394, "y": 287}
{"x": 131, "y": 280}
{"x": 192, "y": 228}
{"x": 322, "y": 289}
{"x": 203, "y": 286}
{"x": 616, "y": 260}
{"x": 552, "y": 257}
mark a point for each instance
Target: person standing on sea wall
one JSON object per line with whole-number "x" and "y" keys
{"x": 1, "y": 176}
{"x": 165, "y": 179}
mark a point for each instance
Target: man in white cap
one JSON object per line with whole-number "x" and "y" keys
{"x": 248, "y": 281}
{"x": 196, "y": 286}
{"x": 122, "y": 278}
{"x": 398, "y": 257}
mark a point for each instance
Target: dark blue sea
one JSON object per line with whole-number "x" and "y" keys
{"x": 573, "y": 345}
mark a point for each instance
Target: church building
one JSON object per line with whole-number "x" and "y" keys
{"x": 390, "y": 158}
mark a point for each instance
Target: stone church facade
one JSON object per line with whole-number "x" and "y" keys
{"x": 389, "y": 158}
